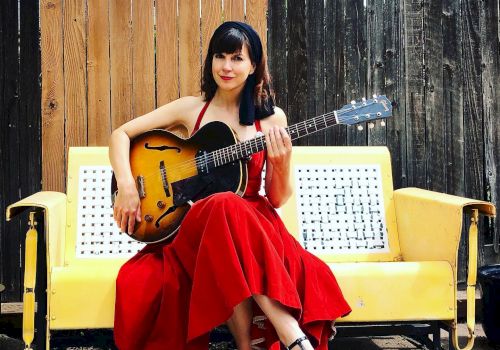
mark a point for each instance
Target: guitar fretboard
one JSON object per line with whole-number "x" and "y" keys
{"x": 245, "y": 149}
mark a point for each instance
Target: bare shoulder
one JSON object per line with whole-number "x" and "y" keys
{"x": 175, "y": 113}
{"x": 278, "y": 118}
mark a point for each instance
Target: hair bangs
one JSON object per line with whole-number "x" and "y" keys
{"x": 230, "y": 41}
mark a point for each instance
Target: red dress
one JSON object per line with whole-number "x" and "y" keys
{"x": 170, "y": 296}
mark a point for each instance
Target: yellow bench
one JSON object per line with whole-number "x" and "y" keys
{"x": 394, "y": 253}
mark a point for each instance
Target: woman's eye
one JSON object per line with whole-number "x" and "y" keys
{"x": 218, "y": 55}
{"x": 238, "y": 58}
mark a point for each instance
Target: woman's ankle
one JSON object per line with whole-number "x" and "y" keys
{"x": 301, "y": 343}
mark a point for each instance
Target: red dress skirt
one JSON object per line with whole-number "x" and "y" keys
{"x": 228, "y": 248}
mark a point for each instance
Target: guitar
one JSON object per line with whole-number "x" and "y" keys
{"x": 171, "y": 172}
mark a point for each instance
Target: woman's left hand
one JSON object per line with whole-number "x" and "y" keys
{"x": 279, "y": 148}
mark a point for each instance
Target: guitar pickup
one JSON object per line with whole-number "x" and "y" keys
{"x": 140, "y": 186}
{"x": 164, "y": 180}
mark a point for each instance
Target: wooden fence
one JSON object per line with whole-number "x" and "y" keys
{"x": 105, "y": 62}
{"x": 438, "y": 60}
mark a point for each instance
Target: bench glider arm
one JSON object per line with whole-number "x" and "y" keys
{"x": 54, "y": 208}
{"x": 430, "y": 226}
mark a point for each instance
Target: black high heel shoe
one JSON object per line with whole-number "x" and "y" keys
{"x": 297, "y": 342}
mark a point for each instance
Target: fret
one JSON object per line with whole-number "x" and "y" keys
{"x": 240, "y": 150}
{"x": 315, "y": 127}
{"x": 262, "y": 142}
{"x": 324, "y": 120}
{"x": 297, "y": 129}
{"x": 308, "y": 126}
{"x": 234, "y": 152}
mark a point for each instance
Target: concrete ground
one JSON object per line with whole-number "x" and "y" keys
{"x": 397, "y": 342}
{"x": 365, "y": 343}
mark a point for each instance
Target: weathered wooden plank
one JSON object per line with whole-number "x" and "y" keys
{"x": 256, "y": 16}
{"x": 143, "y": 58}
{"x": 355, "y": 61}
{"x": 75, "y": 74}
{"x": 473, "y": 102}
{"x": 434, "y": 124}
{"x": 53, "y": 156}
{"x": 394, "y": 57}
{"x": 489, "y": 16}
{"x": 297, "y": 64}
{"x": 10, "y": 148}
{"x": 29, "y": 97}
{"x": 376, "y": 66}
{"x": 473, "y": 109}
{"x": 234, "y": 10}
{"x": 315, "y": 66}
{"x": 277, "y": 51}
{"x": 98, "y": 65}
{"x": 167, "y": 52}
{"x": 453, "y": 112}
{"x": 211, "y": 18}
{"x": 189, "y": 48}
{"x": 415, "y": 99}
{"x": 120, "y": 34}
{"x": 334, "y": 62}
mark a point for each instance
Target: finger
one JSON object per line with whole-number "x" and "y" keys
{"x": 272, "y": 137}
{"x": 287, "y": 141}
{"x": 268, "y": 145}
{"x": 138, "y": 213}
{"x": 118, "y": 218}
{"x": 279, "y": 140}
{"x": 131, "y": 223}
{"x": 124, "y": 222}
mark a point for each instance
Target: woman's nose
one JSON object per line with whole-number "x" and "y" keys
{"x": 227, "y": 65}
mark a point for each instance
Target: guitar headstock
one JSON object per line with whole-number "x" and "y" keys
{"x": 377, "y": 108}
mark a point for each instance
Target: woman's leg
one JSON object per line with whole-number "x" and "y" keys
{"x": 284, "y": 323}
{"x": 239, "y": 324}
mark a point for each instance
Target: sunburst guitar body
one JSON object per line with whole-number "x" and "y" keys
{"x": 170, "y": 174}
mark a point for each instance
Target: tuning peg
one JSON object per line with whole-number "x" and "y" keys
{"x": 374, "y": 96}
{"x": 360, "y": 127}
{"x": 353, "y": 102}
{"x": 382, "y": 123}
{"x": 371, "y": 125}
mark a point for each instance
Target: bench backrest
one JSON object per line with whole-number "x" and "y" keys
{"x": 342, "y": 208}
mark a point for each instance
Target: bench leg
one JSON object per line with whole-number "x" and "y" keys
{"x": 436, "y": 336}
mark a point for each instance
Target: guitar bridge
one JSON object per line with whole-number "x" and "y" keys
{"x": 140, "y": 186}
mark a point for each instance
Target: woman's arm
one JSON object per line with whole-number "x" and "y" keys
{"x": 127, "y": 205}
{"x": 279, "y": 151}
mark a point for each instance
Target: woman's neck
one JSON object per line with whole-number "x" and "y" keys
{"x": 229, "y": 100}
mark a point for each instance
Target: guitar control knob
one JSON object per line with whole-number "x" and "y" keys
{"x": 148, "y": 218}
{"x": 161, "y": 204}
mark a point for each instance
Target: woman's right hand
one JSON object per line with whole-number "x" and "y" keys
{"x": 127, "y": 208}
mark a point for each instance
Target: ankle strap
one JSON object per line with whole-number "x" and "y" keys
{"x": 297, "y": 342}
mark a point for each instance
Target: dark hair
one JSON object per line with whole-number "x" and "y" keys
{"x": 231, "y": 40}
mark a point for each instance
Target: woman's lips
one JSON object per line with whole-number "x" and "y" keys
{"x": 226, "y": 78}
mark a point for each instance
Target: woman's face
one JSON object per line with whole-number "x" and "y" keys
{"x": 230, "y": 70}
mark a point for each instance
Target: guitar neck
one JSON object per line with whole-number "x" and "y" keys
{"x": 245, "y": 149}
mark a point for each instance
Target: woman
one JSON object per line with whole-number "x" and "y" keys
{"x": 232, "y": 260}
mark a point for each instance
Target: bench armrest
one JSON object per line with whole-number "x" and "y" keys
{"x": 54, "y": 207}
{"x": 429, "y": 228}
{"x": 430, "y": 223}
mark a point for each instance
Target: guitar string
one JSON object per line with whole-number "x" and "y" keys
{"x": 223, "y": 155}
{"x": 226, "y": 151}
{"x": 220, "y": 156}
